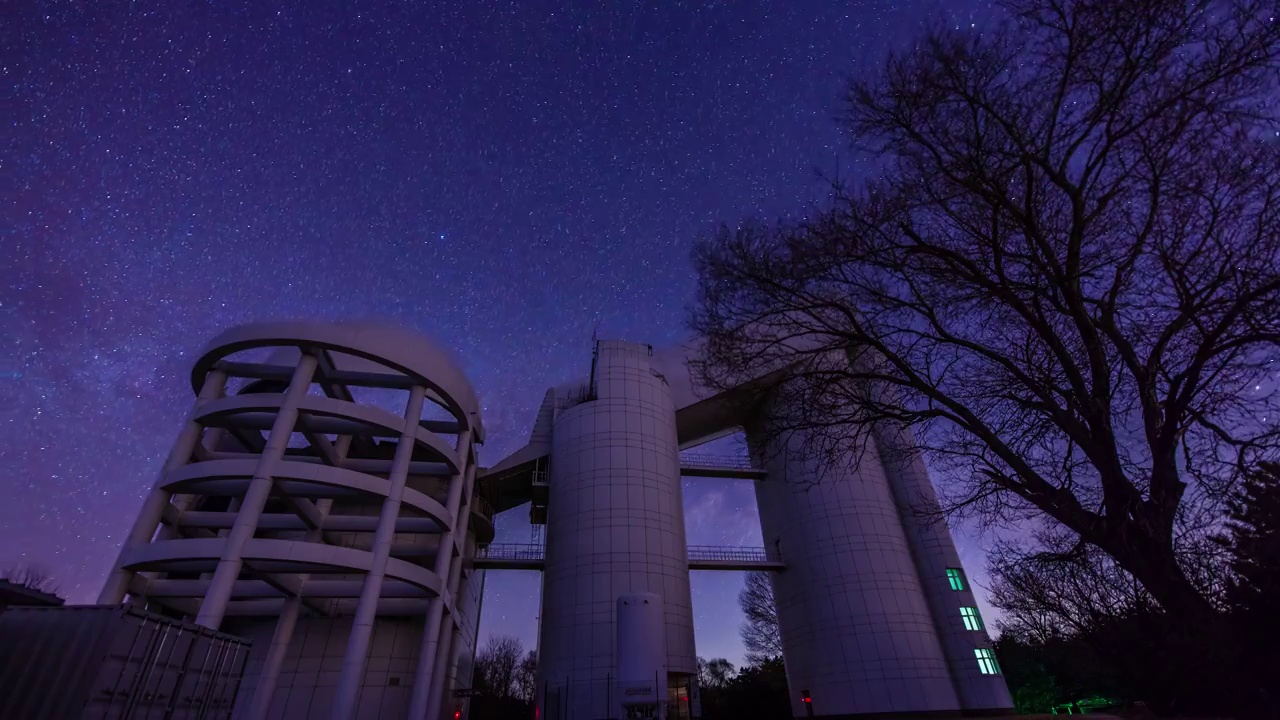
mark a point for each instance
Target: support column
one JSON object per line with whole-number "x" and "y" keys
{"x": 447, "y": 644}
{"x": 451, "y": 625}
{"x": 214, "y": 605}
{"x": 353, "y": 664}
{"x": 427, "y": 654}
{"x": 283, "y": 635}
{"x": 270, "y": 676}
{"x": 419, "y": 700}
{"x": 148, "y": 520}
{"x": 464, "y": 514}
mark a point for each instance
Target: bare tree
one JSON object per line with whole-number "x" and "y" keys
{"x": 760, "y": 628}
{"x": 714, "y": 674}
{"x": 1062, "y": 278}
{"x": 1044, "y": 597}
{"x": 526, "y": 683}
{"x": 498, "y": 665}
{"x": 32, "y": 577}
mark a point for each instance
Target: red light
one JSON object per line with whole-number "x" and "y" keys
{"x": 808, "y": 700}
{"x": 457, "y": 714}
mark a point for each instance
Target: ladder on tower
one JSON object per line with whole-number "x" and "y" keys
{"x": 539, "y": 479}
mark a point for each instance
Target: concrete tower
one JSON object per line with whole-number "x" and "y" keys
{"x": 960, "y": 628}
{"x": 857, "y": 632}
{"x": 615, "y": 525}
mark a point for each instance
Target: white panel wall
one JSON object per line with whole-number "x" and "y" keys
{"x": 934, "y": 552}
{"x": 856, "y": 629}
{"x": 615, "y": 525}
{"x": 310, "y": 671}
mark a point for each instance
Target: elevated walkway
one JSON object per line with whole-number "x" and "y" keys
{"x": 713, "y": 557}
{"x": 517, "y": 556}
{"x": 719, "y": 466}
{"x": 509, "y": 556}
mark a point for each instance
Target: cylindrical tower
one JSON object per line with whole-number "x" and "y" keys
{"x": 319, "y": 501}
{"x": 857, "y": 632}
{"x": 963, "y": 633}
{"x": 615, "y": 526}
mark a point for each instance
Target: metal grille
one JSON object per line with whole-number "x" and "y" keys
{"x": 723, "y": 462}
{"x": 715, "y": 553}
{"x": 732, "y": 554}
{"x": 512, "y": 551}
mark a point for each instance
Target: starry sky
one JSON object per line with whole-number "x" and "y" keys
{"x": 509, "y": 177}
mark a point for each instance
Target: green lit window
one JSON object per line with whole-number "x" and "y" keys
{"x": 986, "y": 661}
{"x": 972, "y": 620}
{"x": 956, "y": 577}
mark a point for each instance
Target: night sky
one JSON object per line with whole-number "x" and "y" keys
{"x": 507, "y": 177}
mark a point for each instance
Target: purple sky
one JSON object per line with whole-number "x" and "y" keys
{"x": 504, "y": 176}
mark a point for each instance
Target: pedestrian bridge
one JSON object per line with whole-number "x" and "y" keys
{"x": 718, "y": 466}
{"x": 515, "y": 556}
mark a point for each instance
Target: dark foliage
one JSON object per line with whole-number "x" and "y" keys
{"x": 1252, "y": 541}
{"x": 503, "y": 681}
{"x": 1076, "y": 625}
{"x": 758, "y": 691}
{"x": 759, "y": 630}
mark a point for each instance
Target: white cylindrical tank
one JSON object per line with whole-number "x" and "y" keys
{"x": 615, "y": 526}
{"x": 936, "y": 559}
{"x": 642, "y": 650}
{"x": 856, "y": 628}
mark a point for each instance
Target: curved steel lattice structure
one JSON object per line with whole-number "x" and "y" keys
{"x": 323, "y": 483}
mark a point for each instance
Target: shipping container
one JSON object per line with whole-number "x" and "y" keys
{"x": 104, "y": 662}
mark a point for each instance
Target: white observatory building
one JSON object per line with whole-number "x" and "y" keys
{"x": 323, "y": 500}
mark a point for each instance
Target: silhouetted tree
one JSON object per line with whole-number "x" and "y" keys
{"x": 526, "y": 684}
{"x": 1032, "y": 684}
{"x": 714, "y": 674}
{"x": 497, "y": 665}
{"x": 760, "y": 628}
{"x": 499, "y": 683}
{"x": 1061, "y": 277}
{"x": 1252, "y": 540}
{"x": 1074, "y": 621}
{"x": 1046, "y": 595}
{"x": 758, "y": 691}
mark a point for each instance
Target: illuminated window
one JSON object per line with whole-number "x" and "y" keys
{"x": 986, "y": 661}
{"x": 972, "y": 620}
{"x": 956, "y": 577}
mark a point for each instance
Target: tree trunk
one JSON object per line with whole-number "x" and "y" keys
{"x": 1152, "y": 562}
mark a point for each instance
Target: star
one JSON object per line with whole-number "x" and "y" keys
{"x": 175, "y": 176}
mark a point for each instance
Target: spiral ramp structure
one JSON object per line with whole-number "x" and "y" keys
{"x": 319, "y": 500}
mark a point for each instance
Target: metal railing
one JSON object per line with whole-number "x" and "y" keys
{"x": 723, "y": 462}
{"x": 716, "y": 553}
{"x": 512, "y": 551}
{"x": 538, "y": 478}
{"x": 697, "y": 553}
